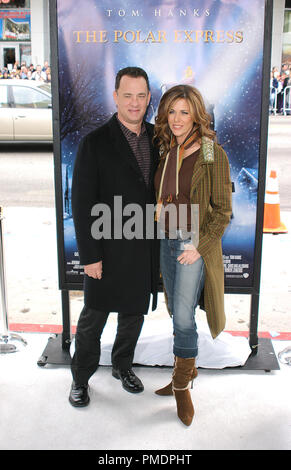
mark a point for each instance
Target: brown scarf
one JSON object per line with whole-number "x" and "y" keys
{"x": 169, "y": 186}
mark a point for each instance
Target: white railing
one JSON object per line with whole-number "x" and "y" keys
{"x": 287, "y": 100}
{"x": 273, "y": 101}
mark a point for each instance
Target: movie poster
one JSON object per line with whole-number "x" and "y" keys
{"x": 215, "y": 45}
{"x": 15, "y": 25}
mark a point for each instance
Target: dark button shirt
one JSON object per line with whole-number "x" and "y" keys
{"x": 140, "y": 146}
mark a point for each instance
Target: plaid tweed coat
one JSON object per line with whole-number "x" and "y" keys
{"x": 211, "y": 188}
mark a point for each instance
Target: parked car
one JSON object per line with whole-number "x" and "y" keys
{"x": 25, "y": 111}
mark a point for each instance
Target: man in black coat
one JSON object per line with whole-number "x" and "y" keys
{"x": 113, "y": 175}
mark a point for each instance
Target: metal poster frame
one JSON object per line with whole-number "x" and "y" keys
{"x": 58, "y": 349}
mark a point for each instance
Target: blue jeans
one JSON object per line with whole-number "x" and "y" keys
{"x": 183, "y": 285}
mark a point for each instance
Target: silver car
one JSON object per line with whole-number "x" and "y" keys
{"x": 25, "y": 111}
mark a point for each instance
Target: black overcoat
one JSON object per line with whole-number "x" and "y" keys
{"x": 106, "y": 167}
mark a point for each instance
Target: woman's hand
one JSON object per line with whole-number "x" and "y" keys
{"x": 189, "y": 256}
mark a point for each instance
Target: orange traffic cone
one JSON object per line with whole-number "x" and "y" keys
{"x": 272, "y": 219}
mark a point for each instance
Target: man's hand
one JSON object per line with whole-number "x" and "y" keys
{"x": 94, "y": 270}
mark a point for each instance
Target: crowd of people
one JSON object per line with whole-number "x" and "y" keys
{"x": 280, "y": 80}
{"x": 27, "y": 72}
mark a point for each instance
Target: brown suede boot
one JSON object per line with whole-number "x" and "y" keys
{"x": 181, "y": 383}
{"x": 168, "y": 389}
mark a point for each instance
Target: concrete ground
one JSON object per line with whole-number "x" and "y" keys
{"x": 234, "y": 409}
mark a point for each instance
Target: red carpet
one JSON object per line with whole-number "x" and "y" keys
{"x": 44, "y": 328}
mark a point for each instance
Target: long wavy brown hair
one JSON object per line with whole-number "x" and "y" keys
{"x": 162, "y": 131}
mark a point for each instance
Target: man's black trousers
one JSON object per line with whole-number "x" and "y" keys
{"x": 87, "y": 342}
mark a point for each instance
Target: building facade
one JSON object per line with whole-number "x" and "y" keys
{"x": 286, "y": 41}
{"x": 24, "y": 32}
{"x": 281, "y": 34}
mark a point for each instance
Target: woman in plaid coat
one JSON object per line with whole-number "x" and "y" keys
{"x": 193, "y": 174}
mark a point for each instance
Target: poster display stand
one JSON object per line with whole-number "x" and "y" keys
{"x": 9, "y": 342}
{"x": 69, "y": 40}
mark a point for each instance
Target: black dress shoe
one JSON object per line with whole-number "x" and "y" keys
{"x": 79, "y": 395}
{"x": 130, "y": 382}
